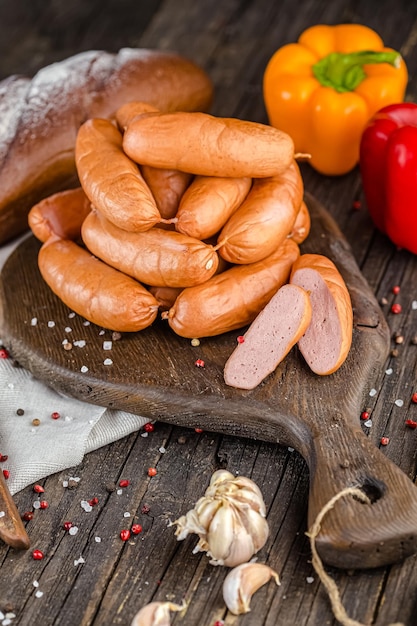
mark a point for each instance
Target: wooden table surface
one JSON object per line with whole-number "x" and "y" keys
{"x": 232, "y": 40}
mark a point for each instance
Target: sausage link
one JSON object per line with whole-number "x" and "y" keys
{"x": 326, "y": 343}
{"x": 111, "y": 180}
{"x": 155, "y": 257}
{"x": 264, "y": 219}
{"x": 208, "y": 203}
{"x": 233, "y": 298}
{"x": 60, "y": 214}
{"x": 94, "y": 290}
{"x": 200, "y": 143}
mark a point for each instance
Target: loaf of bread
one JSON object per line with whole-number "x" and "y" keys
{"x": 40, "y": 117}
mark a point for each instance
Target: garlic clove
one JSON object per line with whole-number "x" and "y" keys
{"x": 246, "y": 497}
{"x": 241, "y": 549}
{"x": 221, "y": 533}
{"x": 242, "y": 582}
{"x": 246, "y": 487}
{"x": 256, "y": 526}
{"x": 156, "y": 614}
{"x": 205, "y": 509}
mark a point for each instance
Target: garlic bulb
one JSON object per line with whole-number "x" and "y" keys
{"x": 156, "y": 614}
{"x": 229, "y": 520}
{"x": 242, "y": 582}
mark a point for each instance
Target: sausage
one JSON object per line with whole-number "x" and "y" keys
{"x": 327, "y": 341}
{"x": 302, "y": 224}
{"x": 233, "y": 298}
{"x": 264, "y": 219}
{"x": 200, "y": 143}
{"x": 167, "y": 185}
{"x": 94, "y": 290}
{"x": 60, "y": 214}
{"x": 111, "y": 180}
{"x": 208, "y": 203}
{"x": 41, "y": 116}
{"x": 269, "y": 338}
{"x": 155, "y": 257}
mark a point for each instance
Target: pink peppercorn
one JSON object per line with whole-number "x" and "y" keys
{"x": 125, "y": 534}
{"x": 124, "y": 483}
{"x": 396, "y": 289}
{"x": 241, "y": 339}
{"x": 3, "y": 353}
{"x": 136, "y": 529}
{"x": 396, "y": 308}
{"x": 55, "y": 415}
{"x": 152, "y": 471}
{"x": 43, "y": 504}
{"x": 199, "y": 363}
{"x": 37, "y": 555}
{"x": 411, "y": 423}
{"x": 38, "y": 489}
{"x": 414, "y": 398}
{"x": 384, "y": 441}
{"x": 364, "y": 415}
{"x": 3, "y": 458}
{"x": 67, "y": 525}
{"x": 93, "y": 501}
{"x": 27, "y": 516}
{"x": 148, "y": 427}
{"x": 6, "y": 474}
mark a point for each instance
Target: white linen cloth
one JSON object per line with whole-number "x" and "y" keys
{"x": 36, "y": 451}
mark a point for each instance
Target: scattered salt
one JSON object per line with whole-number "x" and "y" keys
{"x": 119, "y": 492}
{"x": 51, "y": 324}
{"x": 373, "y": 392}
{"x": 145, "y": 434}
{"x": 33, "y": 321}
{"x": 414, "y": 305}
{"x": 126, "y": 514}
{"x": 389, "y": 371}
{"x": 36, "y": 504}
{"x": 2, "y": 513}
{"x": 65, "y": 483}
{"x": 97, "y": 539}
{"x": 101, "y": 332}
{"x": 310, "y": 579}
{"x": 162, "y": 450}
{"x": 107, "y": 362}
{"x": 107, "y": 345}
{"x": 39, "y": 594}
{"x": 73, "y": 530}
{"x": 368, "y": 423}
{"x": 79, "y": 561}
{"x": 399, "y": 402}
{"x": 68, "y": 418}
{"x": 84, "y": 369}
{"x": 68, "y": 329}
{"x": 71, "y": 315}
{"x": 86, "y": 323}
{"x": 80, "y": 343}
{"x": 35, "y": 583}
{"x": 86, "y": 506}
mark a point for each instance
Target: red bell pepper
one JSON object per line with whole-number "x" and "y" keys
{"x": 388, "y": 165}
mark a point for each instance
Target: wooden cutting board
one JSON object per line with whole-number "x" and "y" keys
{"x": 153, "y": 373}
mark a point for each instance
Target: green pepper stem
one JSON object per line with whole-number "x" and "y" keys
{"x": 344, "y": 72}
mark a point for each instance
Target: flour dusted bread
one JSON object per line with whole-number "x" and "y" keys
{"x": 40, "y": 117}
{"x": 326, "y": 342}
{"x": 269, "y": 338}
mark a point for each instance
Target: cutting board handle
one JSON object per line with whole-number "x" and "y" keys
{"x": 355, "y": 534}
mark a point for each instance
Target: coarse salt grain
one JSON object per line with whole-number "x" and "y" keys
{"x": 73, "y": 530}
{"x": 79, "y": 561}
{"x": 107, "y": 362}
{"x": 101, "y": 332}
{"x": 51, "y": 324}
{"x": 310, "y": 579}
{"x": 389, "y": 371}
{"x": 107, "y": 345}
{"x": 71, "y": 315}
{"x": 145, "y": 434}
{"x": 80, "y": 343}
{"x": 368, "y": 423}
{"x": 414, "y": 305}
{"x": 68, "y": 418}
{"x": 35, "y": 583}
{"x": 86, "y": 506}
{"x": 34, "y": 321}
{"x": 162, "y": 450}
{"x": 39, "y": 594}
{"x": 97, "y": 539}
{"x": 119, "y": 492}
{"x": 84, "y": 369}
{"x": 68, "y": 329}
{"x": 86, "y": 323}
{"x": 373, "y": 392}
{"x": 36, "y": 504}
{"x": 2, "y": 513}
{"x": 399, "y": 402}
{"x": 126, "y": 514}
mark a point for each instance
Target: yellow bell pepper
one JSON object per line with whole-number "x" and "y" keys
{"x": 323, "y": 89}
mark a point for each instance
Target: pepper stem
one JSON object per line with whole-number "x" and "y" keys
{"x": 344, "y": 72}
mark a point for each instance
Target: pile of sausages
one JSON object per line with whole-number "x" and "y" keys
{"x": 193, "y": 215}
